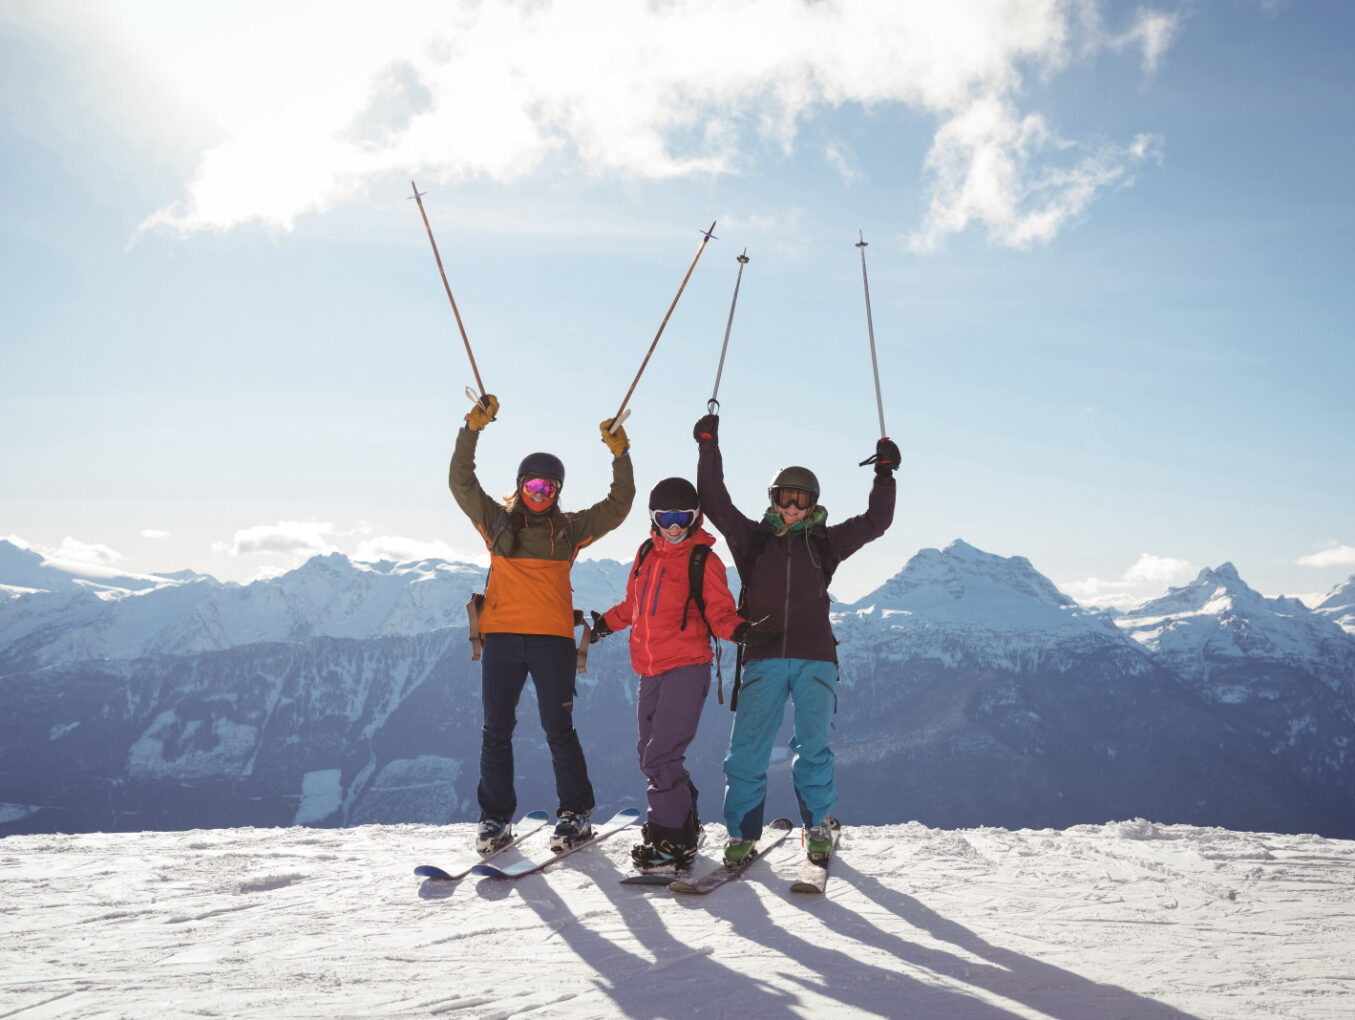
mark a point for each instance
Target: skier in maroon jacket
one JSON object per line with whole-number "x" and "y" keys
{"x": 786, "y": 560}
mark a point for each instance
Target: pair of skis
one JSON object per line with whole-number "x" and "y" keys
{"x": 813, "y": 876}
{"x": 530, "y": 823}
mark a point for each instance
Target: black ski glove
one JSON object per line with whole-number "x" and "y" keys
{"x": 707, "y": 429}
{"x": 600, "y": 628}
{"x": 886, "y": 458}
{"x": 756, "y": 634}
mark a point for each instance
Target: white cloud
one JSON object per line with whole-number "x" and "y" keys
{"x": 403, "y": 550}
{"x": 154, "y": 533}
{"x": 318, "y": 104}
{"x": 994, "y": 167}
{"x": 1158, "y": 570}
{"x": 85, "y": 552}
{"x": 1334, "y": 556}
{"x": 298, "y": 539}
{"x": 16, "y": 540}
{"x": 1153, "y": 32}
{"x": 1146, "y": 578}
{"x": 843, "y": 161}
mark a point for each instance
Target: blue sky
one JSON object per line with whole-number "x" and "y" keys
{"x": 1110, "y": 260}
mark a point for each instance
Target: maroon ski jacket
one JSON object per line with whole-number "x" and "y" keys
{"x": 788, "y": 586}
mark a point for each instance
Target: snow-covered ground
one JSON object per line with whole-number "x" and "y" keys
{"x": 1128, "y": 919}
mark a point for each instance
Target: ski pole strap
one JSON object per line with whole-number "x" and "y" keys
{"x": 738, "y": 681}
{"x": 719, "y": 673}
{"x": 473, "y": 607}
{"x": 582, "y": 654}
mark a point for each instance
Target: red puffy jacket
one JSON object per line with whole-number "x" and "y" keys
{"x": 656, "y": 595}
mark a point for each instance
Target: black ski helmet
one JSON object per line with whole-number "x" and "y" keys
{"x": 674, "y": 494}
{"x": 542, "y": 465}
{"x": 794, "y": 478}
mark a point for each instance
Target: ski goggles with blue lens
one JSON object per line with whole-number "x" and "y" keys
{"x": 668, "y": 518}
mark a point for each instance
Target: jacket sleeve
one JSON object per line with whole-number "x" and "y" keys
{"x": 721, "y": 613}
{"x": 620, "y": 616}
{"x": 603, "y": 516}
{"x": 849, "y": 536}
{"x": 482, "y": 509}
{"x": 716, "y": 503}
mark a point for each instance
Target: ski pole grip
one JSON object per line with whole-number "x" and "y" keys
{"x": 620, "y": 418}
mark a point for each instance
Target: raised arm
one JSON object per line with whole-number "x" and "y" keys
{"x": 716, "y": 503}
{"x": 849, "y": 536}
{"x": 482, "y": 509}
{"x": 608, "y": 513}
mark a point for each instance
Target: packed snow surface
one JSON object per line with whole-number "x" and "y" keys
{"x": 1124, "y": 920}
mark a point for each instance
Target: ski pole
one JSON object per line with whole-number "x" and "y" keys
{"x": 706, "y": 235}
{"x": 418, "y": 197}
{"x": 713, "y": 405}
{"x": 870, "y": 327}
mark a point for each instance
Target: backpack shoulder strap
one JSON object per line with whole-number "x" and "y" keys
{"x": 497, "y": 530}
{"x": 745, "y": 563}
{"x": 827, "y": 563}
{"x": 696, "y": 583}
{"x": 646, "y": 547}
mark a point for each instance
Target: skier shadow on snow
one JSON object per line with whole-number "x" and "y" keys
{"x": 639, "y": 988}
{"x": 1054, "y": 991}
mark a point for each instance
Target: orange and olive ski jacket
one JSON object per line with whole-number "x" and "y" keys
{"x": 530, "y": 555}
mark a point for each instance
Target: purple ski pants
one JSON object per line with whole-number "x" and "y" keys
{"x": 669, "y": 709}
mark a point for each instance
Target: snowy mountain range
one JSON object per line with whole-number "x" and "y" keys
{"x": 973, "y": 693}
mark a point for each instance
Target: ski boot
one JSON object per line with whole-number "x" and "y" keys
{"x": 663, "y": 850}
{"x": 818, "y": 839}
{"x": 738, "y": 850}
{"x": 493, "y": 835}
{"x": 571, "y": 829}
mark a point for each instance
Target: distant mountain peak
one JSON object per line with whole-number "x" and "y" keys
{"x": 964, "y": 573}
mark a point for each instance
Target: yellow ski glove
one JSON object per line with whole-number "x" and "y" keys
{"x": 616, "y": 441}
{"x": 483, "y": 412}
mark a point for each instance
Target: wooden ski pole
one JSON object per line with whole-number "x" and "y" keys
{"x": 418, "y": 197}
{"x": 707, "y": 235}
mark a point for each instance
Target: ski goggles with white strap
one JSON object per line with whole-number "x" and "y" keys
{"x": 669, "y": 518}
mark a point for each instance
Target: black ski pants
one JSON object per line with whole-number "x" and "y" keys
{"x": 506, "y": 661}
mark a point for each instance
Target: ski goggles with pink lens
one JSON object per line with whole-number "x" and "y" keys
{"x": 669, "y": 518}
{"x": 540, "y": 489}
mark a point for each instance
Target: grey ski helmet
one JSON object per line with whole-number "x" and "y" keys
{"x": 542, "y": 465}
{"x": 794, "y": 478}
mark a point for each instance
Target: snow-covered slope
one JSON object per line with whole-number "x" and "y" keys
{"x": 328, "y": 596}
{"x": 1218, "y": 617}
{"x": 1128, "y": 920}
{"x": 972, "y": 692}
{"x": 23, "y": 571}
{"x": 1339, "y": 605}
{"x": 973, "y": 683}
{"x": 1270, "y": 666}
{"x": 963, "y": 605}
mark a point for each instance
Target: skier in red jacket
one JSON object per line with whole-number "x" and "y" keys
{"x": 670, "y": 647}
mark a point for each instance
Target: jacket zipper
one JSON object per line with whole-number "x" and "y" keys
{"x": 785, "y": 614}
{"x": 654, "y": 606}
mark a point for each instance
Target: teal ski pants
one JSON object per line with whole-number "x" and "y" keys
{"x": 767, "y": 683}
